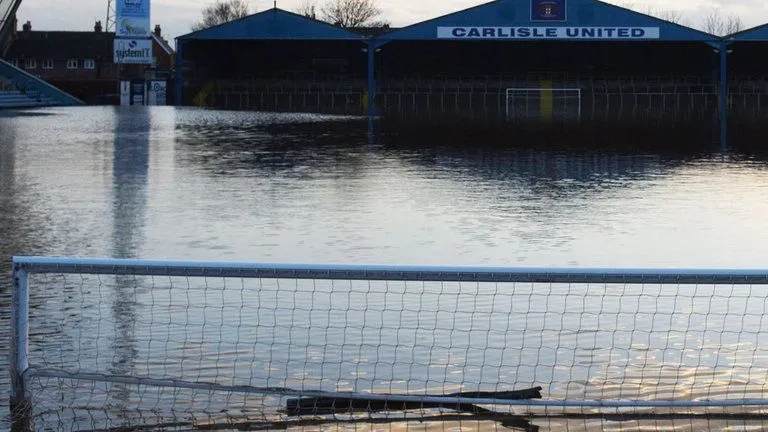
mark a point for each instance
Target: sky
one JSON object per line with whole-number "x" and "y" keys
{"x": 176, "y": 16}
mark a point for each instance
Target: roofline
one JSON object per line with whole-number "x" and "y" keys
{"x": 749, "y": 30}
{"x": 713, "y": 37}
{"x": 437, "y": 18}
{"x": 353, "y": 36}
{"x": 90, "y": 32}
{"x": 684, "y": 27}
{"x": 165, "y": 45}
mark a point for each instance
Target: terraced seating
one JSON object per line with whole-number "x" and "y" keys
{"x": 19, "y": 89}
{"x": 17, "y": 99}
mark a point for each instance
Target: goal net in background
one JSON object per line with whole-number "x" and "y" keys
{"x": 140, "y": 344}
{"x": 543, "y": 104}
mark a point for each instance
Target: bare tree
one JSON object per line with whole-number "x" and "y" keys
{"x": 221, "y": 12}
{"x": 351, "y": 13}
{"x": 713, "y": 22}
{"x": 717, "y": 24}
{"x": 733, "y": 24}
{"x": 308, "y": 8}
{"x": 673, "y": 16}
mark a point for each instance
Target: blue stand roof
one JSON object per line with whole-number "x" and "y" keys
{"x": 755, "y": 34}
{"x": 273, "y": 24}
{"x": 577, "y": 20}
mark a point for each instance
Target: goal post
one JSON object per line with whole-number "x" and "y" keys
{"x": 110, "y": 344}
{"x": 543, "y": 104}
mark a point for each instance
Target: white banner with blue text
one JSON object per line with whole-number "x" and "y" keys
{"x": 133, "y": 51}
{"x": 576, "y": 33}
{"x": 132, "y": 18}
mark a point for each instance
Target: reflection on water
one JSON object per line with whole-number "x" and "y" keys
{"x": 194, "y": 184}
{"x": 130, "y": 181}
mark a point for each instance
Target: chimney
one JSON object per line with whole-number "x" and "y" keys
{"x": 158, "y": 31}
{"x": 98, "y": 28}
{"x": 27, "y": 27}
{"x": 15, "y": 27}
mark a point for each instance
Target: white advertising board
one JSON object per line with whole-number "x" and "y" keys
{"x": 132, "y": 8}
{"x": 125, "y": 93}
{"x": 133, "y": 51}
{"x": 133, "y": 27}
{"x": 157, "y": 93}
{"x": 132, "y": 18}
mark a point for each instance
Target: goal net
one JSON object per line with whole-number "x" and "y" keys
{"x": 543, "y": 104}
{"x": 134, "y": 345}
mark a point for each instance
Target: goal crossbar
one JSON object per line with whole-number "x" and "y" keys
{"x": 388, "y": 273}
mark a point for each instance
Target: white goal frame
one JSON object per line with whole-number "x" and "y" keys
{"x": 539, "y": 90}
{"x": 717, "y": 285}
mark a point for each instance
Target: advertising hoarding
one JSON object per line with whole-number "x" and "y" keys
{"x": 133, "y": 51}
{"x": 132, "y": 18}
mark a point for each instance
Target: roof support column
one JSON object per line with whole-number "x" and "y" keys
{"x": 371, "y": 78}
{"x": 723, "y": 94}
{"x": 179, "y": 80}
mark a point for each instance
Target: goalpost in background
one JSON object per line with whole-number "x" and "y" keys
{"x": 543, "y": 104}
{"x": 103, "y": 344}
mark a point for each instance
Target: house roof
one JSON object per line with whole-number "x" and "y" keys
{"x": 63, "y": 45}
{"x": 756, "y": 34}
{"x": 578, "y": 20}
{"x": 163, "y": 44}
{"x": 273, "y": 24}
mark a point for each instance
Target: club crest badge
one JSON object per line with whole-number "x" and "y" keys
{"x": 548, "y": 10}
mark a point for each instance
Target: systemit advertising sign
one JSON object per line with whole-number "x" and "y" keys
{"x": 132, "y": 18}
{"x": 133, "y": 51}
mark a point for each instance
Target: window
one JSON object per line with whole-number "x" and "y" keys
{"x": 47, "y": 64}
{"x": 30, "y": 63}
{"x": 154, "y": 62}
{"x": 89, "y": 64}
{"x": 15, "y": 62}
{"x": 72, "y": 64}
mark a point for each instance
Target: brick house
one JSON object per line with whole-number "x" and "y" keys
{"x": 82, "y": 63}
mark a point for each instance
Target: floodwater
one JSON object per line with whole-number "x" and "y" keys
{"x": 224, "y": 186}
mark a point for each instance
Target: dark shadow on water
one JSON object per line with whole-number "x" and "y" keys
{"x": 749, "y": 138}
{"x": 510, "y": 422}
{"x": 489, "y": 153}
{"x": 594, "y": 136}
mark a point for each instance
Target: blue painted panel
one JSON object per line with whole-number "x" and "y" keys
{"x": 273, "y": 24}
{"x": 512, "y": 19}
{"x": 757, "y": 34}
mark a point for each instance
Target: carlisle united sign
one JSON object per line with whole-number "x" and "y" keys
{"x": 580, "y": 33}
{"x": 548, "y": 10}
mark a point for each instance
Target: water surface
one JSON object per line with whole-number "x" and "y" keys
{"x": 208, "y": 185}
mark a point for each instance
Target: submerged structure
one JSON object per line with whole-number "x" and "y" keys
{"x": 507, "y": 61}
{"x": 747, "y": 79}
